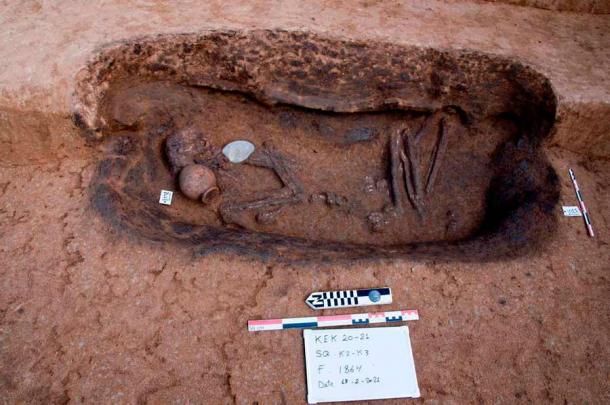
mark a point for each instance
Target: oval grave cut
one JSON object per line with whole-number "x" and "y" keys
{"x": 344, "y": 149}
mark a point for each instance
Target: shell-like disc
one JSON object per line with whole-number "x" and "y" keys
{"x": 238, "y": 151}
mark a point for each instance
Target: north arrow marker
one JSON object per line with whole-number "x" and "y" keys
{"x": 349, "y": 298}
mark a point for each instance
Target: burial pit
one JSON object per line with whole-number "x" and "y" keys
{"x": 361, "y": 149}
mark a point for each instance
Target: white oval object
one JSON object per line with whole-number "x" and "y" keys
{"x": 238, "y": 151}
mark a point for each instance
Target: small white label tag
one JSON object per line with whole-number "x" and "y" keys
{"x": 166, "y": 197}
{"x": 571, "y": 211}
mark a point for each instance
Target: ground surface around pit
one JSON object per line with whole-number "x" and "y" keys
{"x": 90, "y": 316}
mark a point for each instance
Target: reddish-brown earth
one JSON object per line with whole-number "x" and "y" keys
{"x": 93, "y": 313}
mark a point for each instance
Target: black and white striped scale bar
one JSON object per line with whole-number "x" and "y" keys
{"x": 581, "y": 202}
{"x": 349, "y": 298}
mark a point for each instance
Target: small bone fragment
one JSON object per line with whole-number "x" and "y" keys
{"x": 319, "y": 197}
{"x": 333, "y": 199}
{"x": 369, "y": 185}
{"x": 377, "y": 221}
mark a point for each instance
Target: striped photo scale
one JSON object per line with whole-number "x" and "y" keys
{"x": 581, "y": 202}
{"x": 332, "y": 320}
{"x": 349, "y": 298}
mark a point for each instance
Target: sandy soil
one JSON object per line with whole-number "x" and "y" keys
{"x": 90, "y": 315}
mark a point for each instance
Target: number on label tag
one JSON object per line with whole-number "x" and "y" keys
{"x": 166, "y": 197}
{"x": 571, "y": 211}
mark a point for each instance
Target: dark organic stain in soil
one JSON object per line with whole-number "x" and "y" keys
{"x": 362, "y": 150}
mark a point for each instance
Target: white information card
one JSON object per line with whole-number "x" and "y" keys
{"x": 359, "y": 364}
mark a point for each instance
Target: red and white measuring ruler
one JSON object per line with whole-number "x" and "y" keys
{"x": 333, "y": 320}
{"x": 585, "y": 213}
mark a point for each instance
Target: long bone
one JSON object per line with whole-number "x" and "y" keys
{"x": 290, "y": 193}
